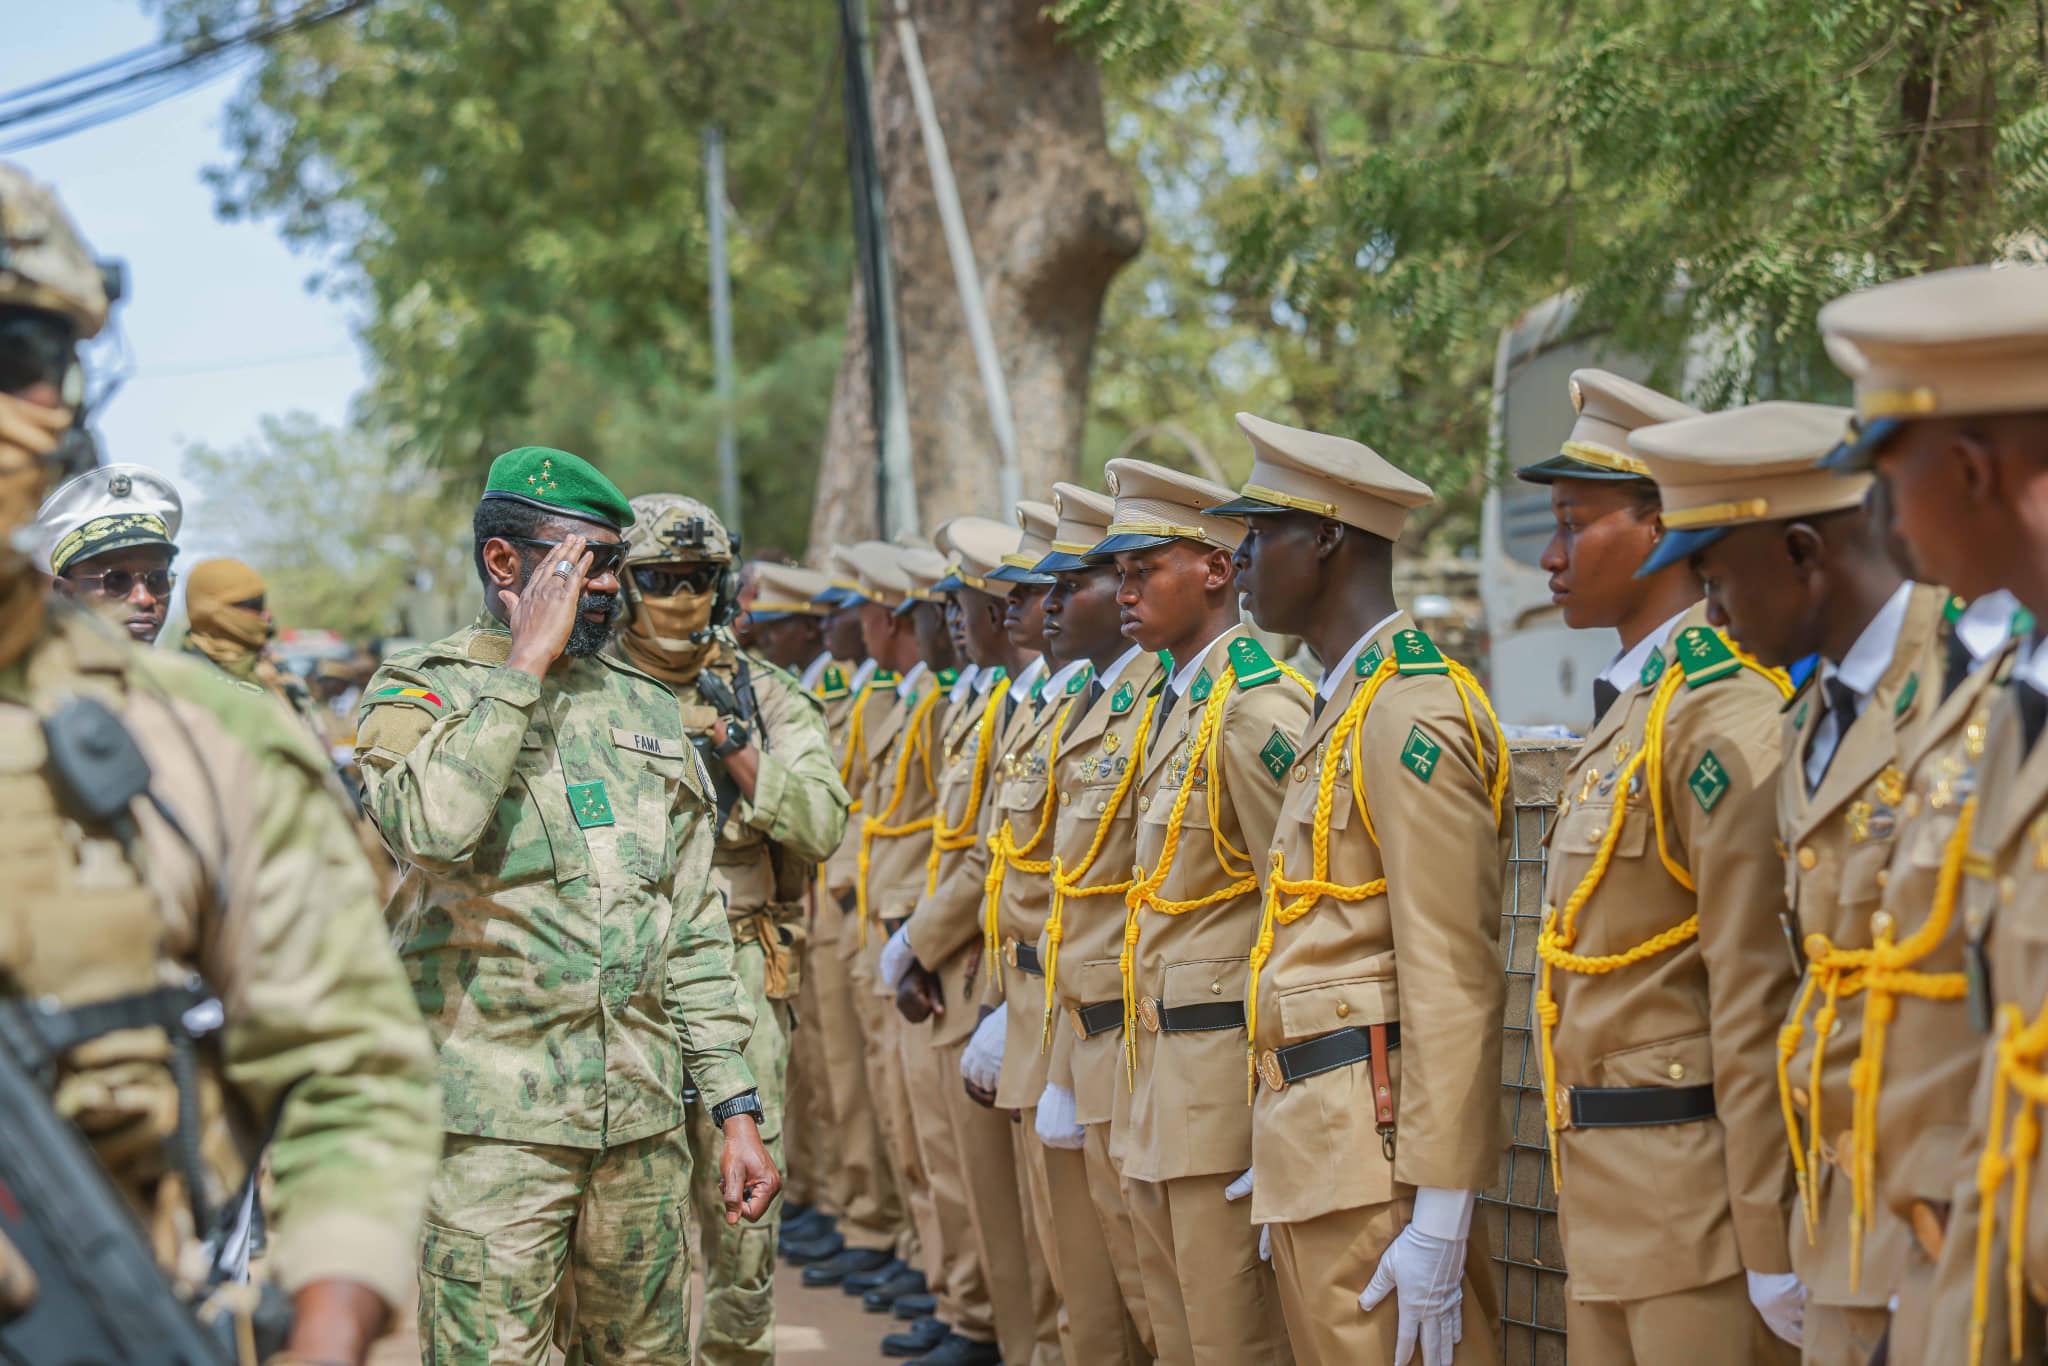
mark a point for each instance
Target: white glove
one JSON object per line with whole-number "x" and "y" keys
{"x": 1265, "y": 1242}
{"x": 982, "y": 1062}
{"x": 896, "y": 960}
{"x": 1425, "y": 1271}
{"x": 1781, "y": 1300}
{"x": 1240, "y": 1188}
{"x": 1055, "y": 1124}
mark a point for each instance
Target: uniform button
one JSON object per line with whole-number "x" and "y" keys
{"x": 1342, "y": 1010}
{"x": 1884, "y": 877}
{"x": 1063, "y": 799}
{"x": 1301, "y": 773}
{"x": 1144, "y": 803}
{"x": 1597, "y": 832}
{"x": 1676, "y": 1071}
{"x": 1807, "y": 858}
{"x": 1215, "y": 988}
{"x": 1880, "y": 924}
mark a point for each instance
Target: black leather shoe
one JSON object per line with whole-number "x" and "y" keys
{"x": 846, "y": 1262}
{"x": 811, "y": 1227}
{"x": 799, "y": 1253}
{"x": 911, "y": 1308}
{"x": 958, "y": 1351}
{"x": 883, "y": 1297}
{"x": 791, "y": 1212}
{"x": 865, "y": 1281}
{"x": 923, "y": 1336}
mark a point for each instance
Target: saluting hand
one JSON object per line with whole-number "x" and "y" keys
{"x": 544, "y": 613}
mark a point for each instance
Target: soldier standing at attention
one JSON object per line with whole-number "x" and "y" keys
{"x": 1082, "y": 1113}
{"x": 764, "y": 740}
{"x": 1377, "y": 981}
{"x": 567, "y": 942}
{"x": 1793, "y": 566}
{"x": 231, "y": 873}
{"x": 109, "y": 537}
{"x": 1664, "y": 975}
{"x": 1224, "y": 735}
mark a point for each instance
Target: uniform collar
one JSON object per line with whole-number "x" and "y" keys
{"x": 1028, "y": 676}
{"x": 1334, "y": 676}
{"x": 1123, "y": 661}
{"x": 1864, "y": 666}
{"x": 2030, "y": 664}
{"x": 815, "y": 670}
{"x": 1986, "y": 624}
{"x": 907, "y": 685}
{"x": 1627, "y": 667}
{"x": 966, "y": 683}
{"x": 1057, "y": 684}
{"x": 862, "y": 674}
{"x": 1185, "y": 674}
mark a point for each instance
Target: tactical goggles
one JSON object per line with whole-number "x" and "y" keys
{"x": 667, "y": 580}
{"x": 35, "y": 348}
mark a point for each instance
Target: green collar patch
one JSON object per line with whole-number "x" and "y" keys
{"x": 1198, "y": 691}
{"x": 832, "y": 683}
{"x": 1653, "y": 668}
{"x": 1709, "y": 782}
{"x": 1126, "y": 697}
{"x": 1416, "y": 653}
{"x": 1277, "y": 756}
{"x": 948, "y": 677}
{"x": 1799, "y": 721}
{"x": 1080, "y": 679}
{"x": 2022, "y": 623}
{"x": 1907, "y": 694}
{"x": 1420, "y": 754}
{"x": 1038, "y": 688}
{"x": 1254, "y": 666}
{"x": 1369, "y": 659}
{"x": 998, "y": 673}
{"x": 1952, "y": 610}
{"x": 1704, "y": 656}
{"x": 590, "y": 804}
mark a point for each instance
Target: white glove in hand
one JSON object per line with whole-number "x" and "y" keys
{"x": 1425, "y": 1274}
{"x": 1781, "y": 1300}
{"x": 1265, "y": 1242}
{"x": 982, "y": 1062}
{"x": 896, "y": 960}
{"x": 1055, "y": 1123}
{"x": 1240, "y": 1188}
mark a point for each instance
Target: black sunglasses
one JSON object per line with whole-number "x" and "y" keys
{"x": 119, "y": 583}
{"x": 667, "y": 580}
{"x": 605, "y": 556}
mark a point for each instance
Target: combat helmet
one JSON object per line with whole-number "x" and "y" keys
{"x": 44, "y": 262}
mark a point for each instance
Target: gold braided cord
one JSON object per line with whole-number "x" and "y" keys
{"x": 873, "y": 828}
{"x": 1560, "y": 930}
{"x": 2020, "y": 1049}
{"x": 1006, "y": 853}
{"x": 1067, "y": 882}
{"x": 950, "y": 839}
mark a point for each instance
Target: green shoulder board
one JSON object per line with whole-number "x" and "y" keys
{"x": 832, "y": 683}
{"x": 1704, "y": 656}
{"x": 948, "y": 677}
{"x": 1254, "y": 666}
{"x": 882, "y": 678}
{"x": 1416, "y": 653}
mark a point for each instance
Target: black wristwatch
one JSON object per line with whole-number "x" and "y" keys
{"x": 745, "y": 1103}
{"x": 737, "y": 738}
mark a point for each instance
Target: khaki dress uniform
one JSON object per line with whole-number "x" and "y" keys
{"x": 1665, "y": 979}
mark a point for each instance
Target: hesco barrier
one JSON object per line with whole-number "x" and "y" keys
{"x": 1522, "y": 1227}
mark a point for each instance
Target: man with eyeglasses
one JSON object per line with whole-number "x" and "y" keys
{"x": 108, "y": 537}
{"x": 567, "y": 941}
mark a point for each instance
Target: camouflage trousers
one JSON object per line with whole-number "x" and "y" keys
{"x": 509, "y": 1222}
{"x": 739, "y": 1260}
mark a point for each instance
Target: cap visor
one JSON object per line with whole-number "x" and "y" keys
{"x": 834, "y": 598}
{"x": 127, "y": 541}
{"x": 950, "y": 584}
{"x": 1060, "y": 562}
{"x": 1246, "y": 506}
{"x": 1010, "y": 573}
{"x": 1564, "y": 467}
{"x": 770, "y": 616}
{"x": 1679, "y": 546}
{"x": 1125, "y": 543}
{"x": 1857, "y": 454}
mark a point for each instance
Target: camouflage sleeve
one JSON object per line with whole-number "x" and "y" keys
{"x": 799, "y": 802}
{"x": 434, "y": 766}
{"x": 321, "y": 1027}
{"x": 714, "y": 1017}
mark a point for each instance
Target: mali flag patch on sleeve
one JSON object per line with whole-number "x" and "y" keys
{"x": 418, "y": 697}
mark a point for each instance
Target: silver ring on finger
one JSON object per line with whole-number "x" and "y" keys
{"x": 563, "y": 569}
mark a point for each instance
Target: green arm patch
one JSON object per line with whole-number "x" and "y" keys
{"x": 1277, "y": 756}
{"x": 1369, "y": 660}
{"x": 1124, "y": 699}
{"x": 1254, "y": 666}
{"x": 1653, "y": 668}
{"x": 1420, "y": 754}
{"x": 1416, "y": 653}
{"x": 1705, "y": 656}
{"x": 1907, "y": 694}
{"x": 832, "y": 683}
{"x": 1709, "y": 782}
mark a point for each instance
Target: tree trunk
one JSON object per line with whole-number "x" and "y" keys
{"x": 1052, "y": 216}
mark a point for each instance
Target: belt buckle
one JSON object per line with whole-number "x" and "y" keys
{"x": 1148, "y": 1013}
{"x": 1080, "y": 1028}
{"x": 1564, "y": 1108}
{"x": 1010, "y": 953}
{"x": 1269, "y": 1070}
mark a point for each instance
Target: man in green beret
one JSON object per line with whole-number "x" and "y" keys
{"x": 566, "y": 940}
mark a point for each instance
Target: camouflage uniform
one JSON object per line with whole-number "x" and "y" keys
{"x": 258, "y": 888}
{"x": 568, "y": 945}
{"x": 766, "y": 851}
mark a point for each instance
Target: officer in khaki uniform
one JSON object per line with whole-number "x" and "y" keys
{"x": 1794, "y": 566}
{"x": 1377, "y": 980}
{"x": 1665, "y": 974}
{"x": 1225, "y": 733}
{"x": 1950, "y": 410}
{"x": 1094, "y": 843}
{"x": 765, "y": 742}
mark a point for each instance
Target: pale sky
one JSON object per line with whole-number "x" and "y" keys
{"x": 219, "y": 325}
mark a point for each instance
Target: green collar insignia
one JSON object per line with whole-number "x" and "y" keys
{"x": 1907, "y": 694}
{"x": 1420, "y": 754}
{"x": 1277, "y": 756}
{"x": 590, "y": 804}
{"x": 1704, "y": 656}
{"x": 1653, "y": 668}
{"x": 1799, "y": 721}
{"x": 1253, "y": 665}
{"x": 1081, "y": 679}
{"x": 1126, "y": 697}
{"x": 1369, "y": 660}
{"x": 1952, "y": 610}
{"x": 1416, "y": 653}
{"x": 998, "y": 673}
{"x": 948, "y": 677}
{"x": 832, "y": 683}
{"x": 1709, "y": 782}
{"x": 1038, "y": 688}
{"x": 1198, "y": 691}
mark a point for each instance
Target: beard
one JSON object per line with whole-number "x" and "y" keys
{"x": 587, "y": 637}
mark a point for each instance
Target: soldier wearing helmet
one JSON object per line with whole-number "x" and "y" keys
{"x": 292, "y": 1015}
{"x": 784, "y": 810}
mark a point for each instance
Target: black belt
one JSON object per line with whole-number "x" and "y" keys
{"x": 1282, "y": 1067}
{"x": 848, "y": 902}
{"x": 1208, "y": 1015}
{"x": 893, "y": 925}
{"x": 1635, "y": 1107}
{"x": 1024, "y": 958}
{"x": 1099, "y": 1018}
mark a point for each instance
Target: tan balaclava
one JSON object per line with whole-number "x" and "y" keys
{"x": 230, "y": 636}
{"x": 671, "y": 636}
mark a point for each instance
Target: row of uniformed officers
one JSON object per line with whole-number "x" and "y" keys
{"x": 1158, "y": 996}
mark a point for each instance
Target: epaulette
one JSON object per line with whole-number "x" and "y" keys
{"x": 832, "y": 683}
{"x": 1254, "y": 666}
{"x": 1704, "y": 656}
{"x": 1416, "y": 653}
{"x": 1080, "y": 679}
{"x": 948, "y": 677}
{"x": 881, "y": 678}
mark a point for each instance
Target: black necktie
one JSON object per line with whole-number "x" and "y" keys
{"x": 1165, "y": 710}
{"x": 1604, "y": 694}
{"x": 1009, "y": 707}
{"x": 1955, "y": 662}
{"x": 1093, "y": 695}
{"x": 2033, "y": 712}
{"x": 1843, "y": 703}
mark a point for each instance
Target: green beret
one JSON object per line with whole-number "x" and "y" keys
{"x": 556, "y": 481}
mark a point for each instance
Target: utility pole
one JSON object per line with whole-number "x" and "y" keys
{"x": 721, "y": 328}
